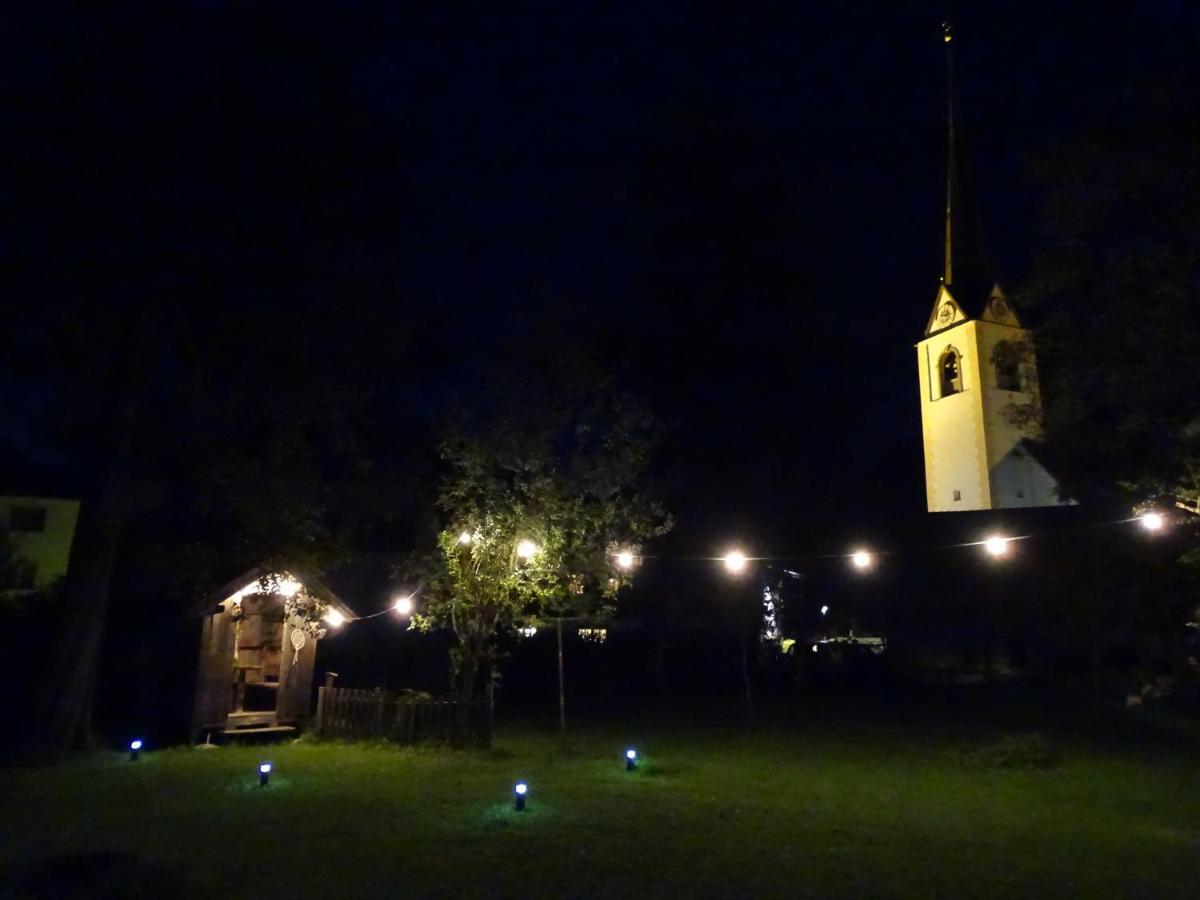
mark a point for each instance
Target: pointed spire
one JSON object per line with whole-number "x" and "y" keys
{"x": 948, "y": 270}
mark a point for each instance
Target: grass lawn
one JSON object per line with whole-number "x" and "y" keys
{"x": 821, "y": 810}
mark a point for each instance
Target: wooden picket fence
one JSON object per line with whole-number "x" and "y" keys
{"x": 402, "y": 719}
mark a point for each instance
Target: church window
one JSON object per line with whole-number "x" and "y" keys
{"x": 1006, "y": 360}
{"x": 950, "y": 372}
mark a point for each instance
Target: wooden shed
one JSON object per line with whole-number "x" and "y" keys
{"x": 257, "y": 648}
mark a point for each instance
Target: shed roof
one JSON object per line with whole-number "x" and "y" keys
{"x": 311, "y": 583}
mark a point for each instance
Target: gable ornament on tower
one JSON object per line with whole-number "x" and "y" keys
{"x": 976, "y": 368}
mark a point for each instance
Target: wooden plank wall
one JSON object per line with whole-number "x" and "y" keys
{"x": 379, "y": 715}
{"x": 295, "y": 681}
{"x": 214, "y": 673}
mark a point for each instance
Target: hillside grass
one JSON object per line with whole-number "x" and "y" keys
{"x": 816, "y": 811}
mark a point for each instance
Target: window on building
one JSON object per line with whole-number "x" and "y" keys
{"x": 1006, "y": 360}
{"x": 950, "y": 372}
{"x": 27, "y": 518}
{"x": 958, "y": 495}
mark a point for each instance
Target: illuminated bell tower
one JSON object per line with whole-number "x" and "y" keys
{"x": 978, "y": 376}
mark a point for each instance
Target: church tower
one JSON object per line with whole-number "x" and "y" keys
{"x": 977, "y": 372}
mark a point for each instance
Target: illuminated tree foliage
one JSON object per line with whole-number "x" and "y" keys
{"x": 536, "y": 502}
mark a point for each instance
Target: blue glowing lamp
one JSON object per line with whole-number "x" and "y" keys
{"x": 519, "y": 792}
{"x": 630, "y": 760}
{"x": 264, "y": 774}
{"x": 135, "y": 748}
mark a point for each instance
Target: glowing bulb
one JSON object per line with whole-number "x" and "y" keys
{"x": 465, "y": 537}
{"x": 824, "y": 610}
{"x": 862, "y": 560}
{"x": 288, "y": 587}
{"x": 404, "y": 606}
{"x": 735, "y": 561}
{"x": 625, "y": 559}
{"x": 135, "y": 745}
{"x": 527, "y": 549}
{"x": 264, "y": 774}
{"x": 996, "y": 546}
{"x": 1153, "y": 521}
{"x": 519, "y": 796}
{"x": 334, "y": 619}
{"x": 264, "y": 768}
{"x": 814, "y": 648}
{"x": 631, "y": 754}
{"x": 630, "y": 760}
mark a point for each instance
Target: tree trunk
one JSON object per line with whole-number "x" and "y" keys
{"x": 70, "y": 685}
{"x": 562, "y": 695}
{"x": 746, "y": 677}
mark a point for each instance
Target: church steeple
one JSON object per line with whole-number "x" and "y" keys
{"x": 975, "y": 365}
{"x": 968, "y": 282}
{"x": 948, "y": 270}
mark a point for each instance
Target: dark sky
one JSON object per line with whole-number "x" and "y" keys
{"x": 739, "y": 207}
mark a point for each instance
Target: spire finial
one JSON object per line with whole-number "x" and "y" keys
{"x": 947, "y": 37}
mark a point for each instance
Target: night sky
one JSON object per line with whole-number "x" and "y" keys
{"x": 737, "y": 210}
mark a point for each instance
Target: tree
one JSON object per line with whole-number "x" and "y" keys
{"x": 1118, "y": 283}
{"x": 537, "y": 499}
{"x": 1120, "y": 276}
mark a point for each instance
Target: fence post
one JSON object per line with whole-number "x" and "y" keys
{"x": 320, "y": 710}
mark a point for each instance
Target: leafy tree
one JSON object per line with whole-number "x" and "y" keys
{"x": 537, "y": 498}
{"x": 1120, "y": 277}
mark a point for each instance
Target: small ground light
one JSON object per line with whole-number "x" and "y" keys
{"x": 264, "y": 774}
{"x": 630, "y": 760}
{"x": 135, "y": 747}
{"x": 996, "y": 546}
{"x": 520, "y": 789}
{"x": 1152, "y": 521}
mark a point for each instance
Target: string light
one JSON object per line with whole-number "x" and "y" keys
{"x": 1152, "y": 521}
{"x": 334, "y": 619}
{"x": 625, "y": 559}
{"x": 862, "y": 560}
{"x": 404, "y": 606}
{"x": 996, "y": 546}
{"x": 464, "y": 537}
{"x": 527, "y": 549}
{"x": 735, "y": 562}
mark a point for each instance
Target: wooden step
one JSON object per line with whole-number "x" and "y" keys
{"x": 250, "y": 719}
{"x": 251, "y": 731}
